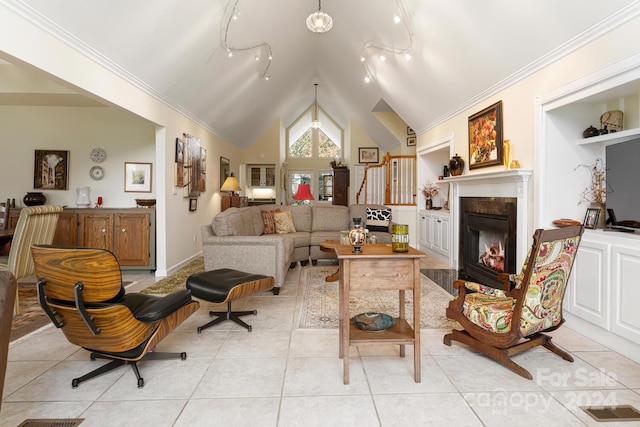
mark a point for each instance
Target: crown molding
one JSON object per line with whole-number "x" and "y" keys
{"x": 612, "y": 22}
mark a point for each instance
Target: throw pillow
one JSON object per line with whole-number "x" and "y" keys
{"x": 378, "y": 219}
{"x": 284, "y": 222}
{"x": 269, "y": 221}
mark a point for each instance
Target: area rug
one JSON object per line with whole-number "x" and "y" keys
{"x": 31, "y": 316}
{"x": 176, "y": 280}
{"x": 320, "y": 304}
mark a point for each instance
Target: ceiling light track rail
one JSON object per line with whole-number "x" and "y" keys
{"x": 255, "y": 49}
{"x": 370, "y": 48}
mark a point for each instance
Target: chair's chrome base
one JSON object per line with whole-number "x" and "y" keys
{"x": 116, "y": 363}
{"x": 223, "y": 316}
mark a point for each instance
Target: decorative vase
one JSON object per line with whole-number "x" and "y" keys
{"x": 34, "y": 199}
{"x": 400, "y": 238}
{"x": 357, "y": 235}
{"x": 83, "y": 199}
{"x": 506, "y": 153}
{"x": 456, "y": 165}
{"x": 429, "y": 203}
{"x": 590, "y": 131}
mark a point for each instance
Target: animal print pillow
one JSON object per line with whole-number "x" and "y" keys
{"x": 378, "y": 219}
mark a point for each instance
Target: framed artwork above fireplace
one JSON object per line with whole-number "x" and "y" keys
{"x": 485, "y": 137}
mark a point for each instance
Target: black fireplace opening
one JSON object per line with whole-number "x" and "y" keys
{"x": 487, "y": 239}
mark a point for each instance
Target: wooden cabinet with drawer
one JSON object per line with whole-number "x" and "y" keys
{"x": 128, "y": 233}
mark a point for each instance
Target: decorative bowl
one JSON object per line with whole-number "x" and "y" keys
{"x": 373, "y": 321}
{"x": 146, "y": 203}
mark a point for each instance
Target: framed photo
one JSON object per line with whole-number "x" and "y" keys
{"x": 193, "y": 205}
{"x": 179, "y": 151}
{"x": 137, "y": 177}
{"x": 368, "y": 155}
{"x": 225, "y": 169}
{"x": 485, "y": 137}
{"x": 591, "y": 218}
{"x": 411, "y": 141}
{"x": 51, "y": 170}
{"x": 203, "y": 159}
{"x": 410, "y": 132}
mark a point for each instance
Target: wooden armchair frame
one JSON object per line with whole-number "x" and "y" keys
{"x": 500, "y": 346}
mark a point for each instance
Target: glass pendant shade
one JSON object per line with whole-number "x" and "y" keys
{"x": 319, "y": 22}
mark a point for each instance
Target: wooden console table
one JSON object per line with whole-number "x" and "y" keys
{"x": 379, "y": 268}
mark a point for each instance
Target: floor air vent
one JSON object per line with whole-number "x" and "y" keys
{"x": 52, "y": 422}
{"x": 613, "y": 413}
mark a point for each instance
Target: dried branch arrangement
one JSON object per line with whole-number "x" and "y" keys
{"x": 596, "y": 192}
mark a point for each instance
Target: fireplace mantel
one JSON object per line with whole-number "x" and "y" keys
{"x": 505, "y": 183}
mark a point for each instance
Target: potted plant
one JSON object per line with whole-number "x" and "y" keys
{"x": 429, "y": 191}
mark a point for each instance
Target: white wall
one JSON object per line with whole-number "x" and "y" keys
{"x": 519, "y": 106}
{"x": 178, "y": 230}
{"x": 77, "y": 130}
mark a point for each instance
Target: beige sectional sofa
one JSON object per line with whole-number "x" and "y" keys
{"x": 236, "y": 237}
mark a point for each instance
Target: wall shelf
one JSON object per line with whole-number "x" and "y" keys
{"x": 612, "y": 138}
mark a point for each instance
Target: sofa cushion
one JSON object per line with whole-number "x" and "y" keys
{"x": 330, "y": 218}
{"x": 269, "y": 221}
{"x": 236, "y": 222}
{"x": 301, "y": 216}
{"x": 378, "y": 219}
{"x": 360, "y": 211}
{"x": 284, "y": 222}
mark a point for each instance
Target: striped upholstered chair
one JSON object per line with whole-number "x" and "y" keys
{"x": 36, "y": 225}
{"x": 504, "y": 322}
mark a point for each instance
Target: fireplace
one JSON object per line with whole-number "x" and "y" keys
{"x": 514, "y": 218}
{"x": 488, "y": 231}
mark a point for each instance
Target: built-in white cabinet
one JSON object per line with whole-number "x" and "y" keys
{"x": 434, "y": 233}
{"x": 602, "y": 299}
{"x": 261, "y": 175}
{"x": 588, "y": 291}
{"x": 603, "y": 288}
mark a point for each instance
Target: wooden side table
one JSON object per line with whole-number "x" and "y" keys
{"x": 329, "y": 246}
{"x": 379, "y": 268}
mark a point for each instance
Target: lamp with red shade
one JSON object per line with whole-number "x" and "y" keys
{"x": 304, "y": 193}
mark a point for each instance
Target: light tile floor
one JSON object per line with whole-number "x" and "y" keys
{"x": 279, "y": 375}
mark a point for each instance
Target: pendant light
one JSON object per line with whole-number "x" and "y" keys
{"x": 319, "y": 22}
{"x": 315, "y": 122}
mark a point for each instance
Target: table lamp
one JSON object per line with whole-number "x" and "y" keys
{"x": 231, "y": 185}
{"x": 304, "y": 193}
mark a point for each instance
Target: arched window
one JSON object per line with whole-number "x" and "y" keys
{"x": 306, "y": 142}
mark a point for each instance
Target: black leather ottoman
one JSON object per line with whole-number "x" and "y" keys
{"x": 225, "y": 285}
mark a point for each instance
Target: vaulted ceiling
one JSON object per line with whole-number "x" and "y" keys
{"x": 460, "y": 50}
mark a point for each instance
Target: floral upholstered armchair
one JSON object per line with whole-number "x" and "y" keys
{"x": 496, "y": 321}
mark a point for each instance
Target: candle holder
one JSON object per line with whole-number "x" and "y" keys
{"x": 400, "y": 238}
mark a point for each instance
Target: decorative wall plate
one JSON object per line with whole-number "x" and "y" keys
{"x": 98, "y": 155}
{"x": 96, "y": 173}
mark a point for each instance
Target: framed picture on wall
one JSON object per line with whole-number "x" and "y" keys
{"x": 368, "y": 155}
{"x": 485, "y": 137}
{"x": 411, "y": 141}
{"x": 51, "y": 170}
{"x": 193, "y": 205}
{"x": 225, "y": 169}
{"x": 137, "y": 177}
